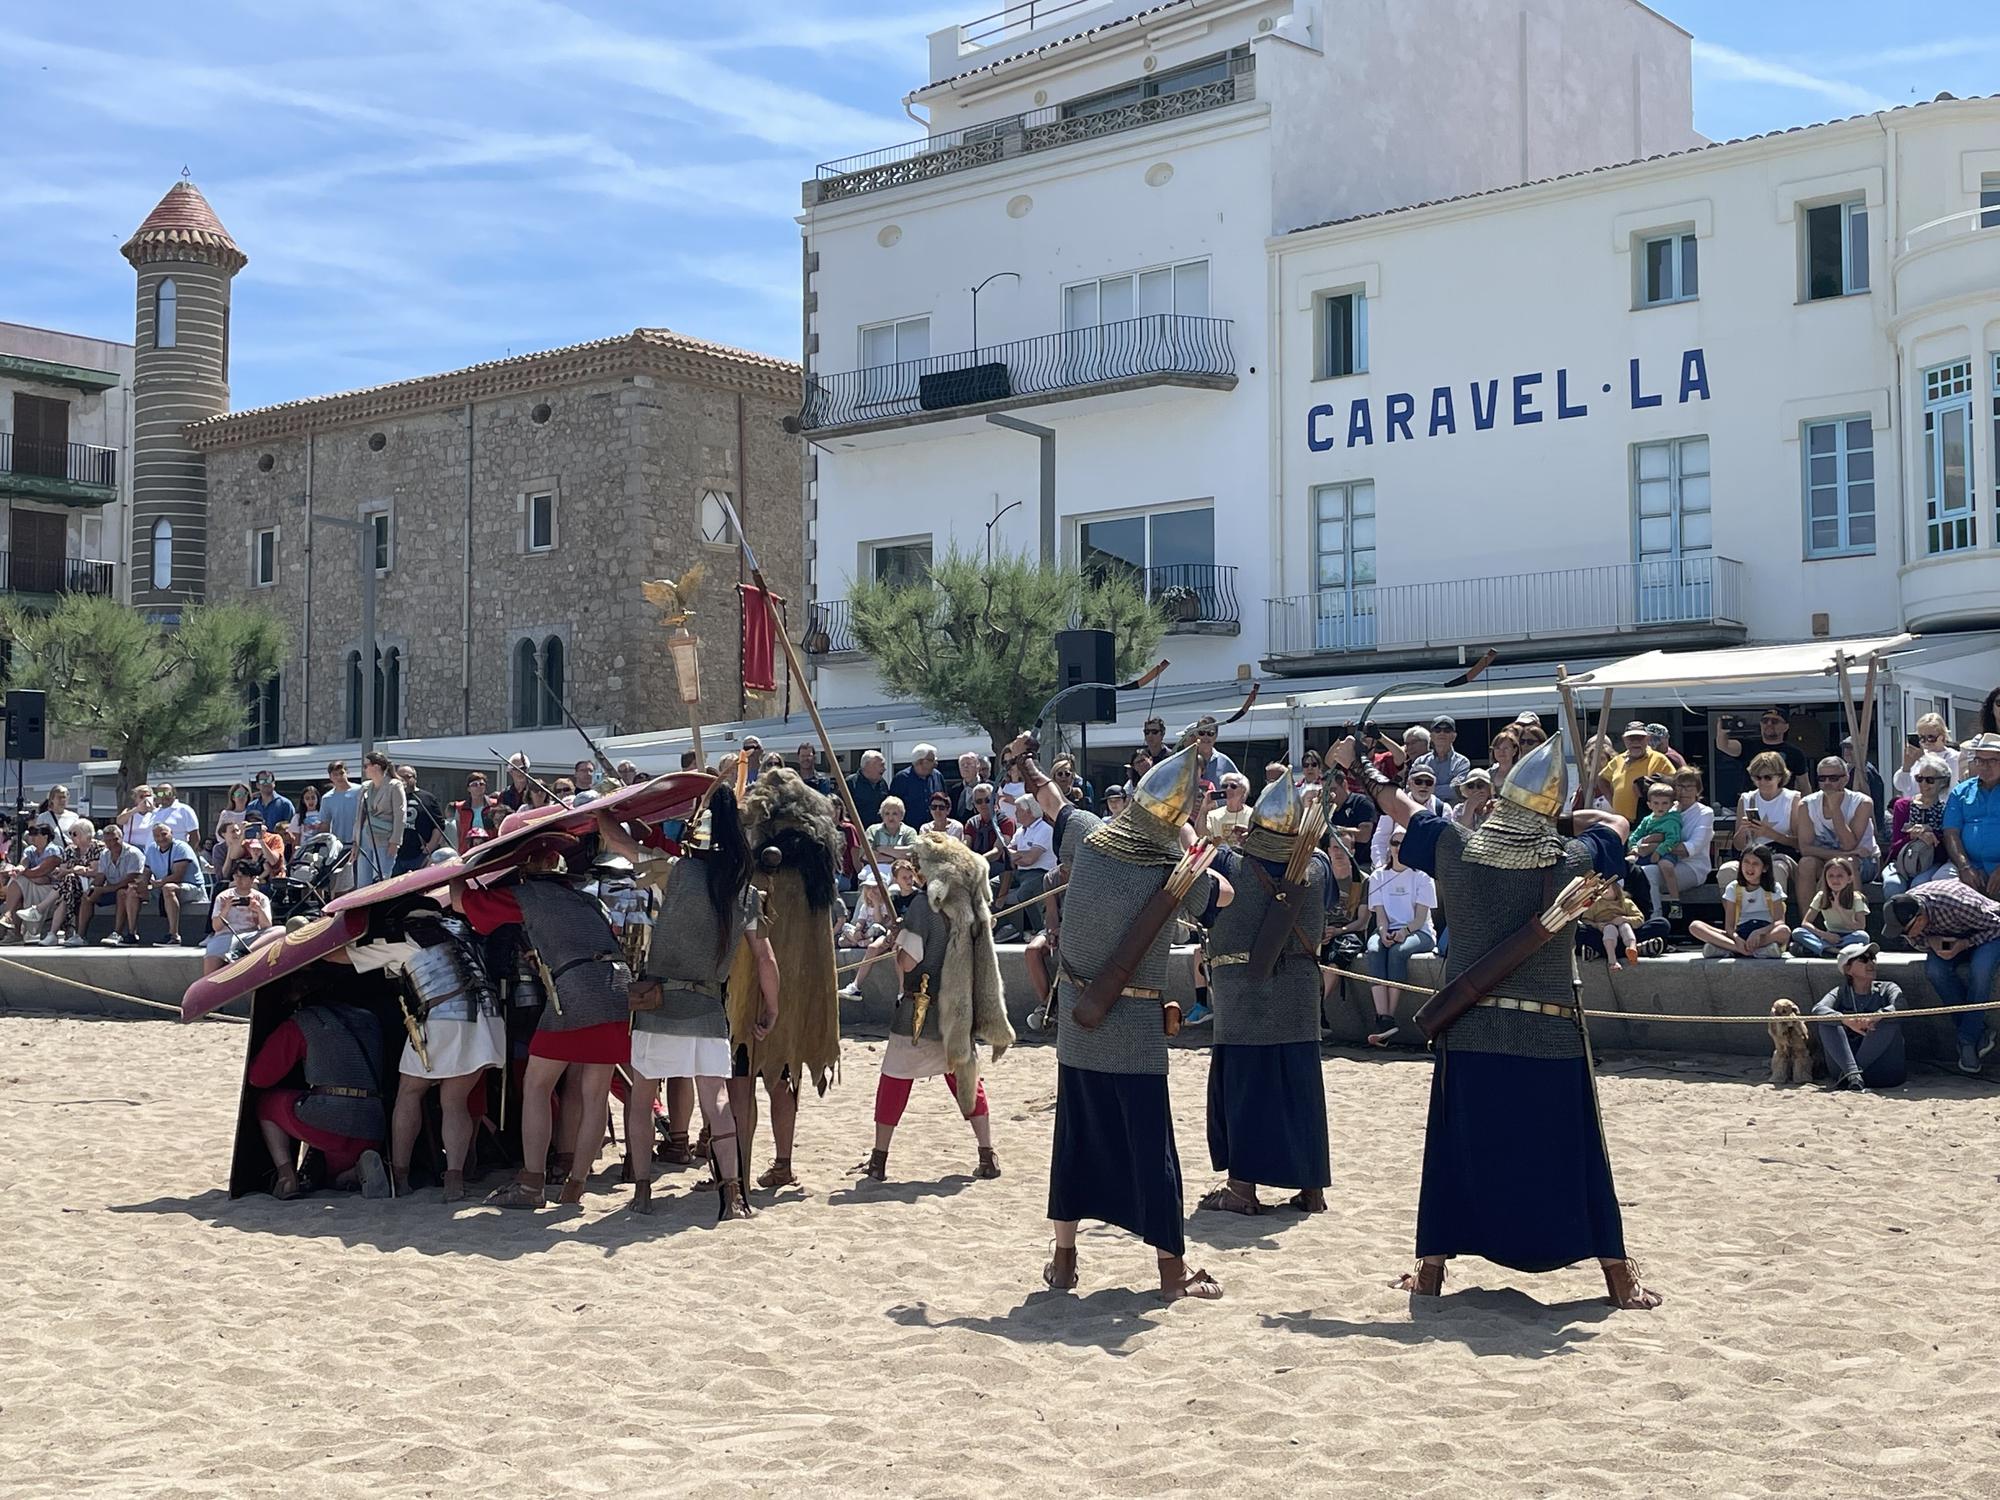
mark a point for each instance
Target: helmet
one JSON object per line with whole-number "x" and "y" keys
{"x": 1167, "y": 795}
{"x": 1540, "y": 783}
{"x": 1280, "y": 809}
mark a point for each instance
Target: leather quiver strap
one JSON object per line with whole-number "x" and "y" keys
{"x": 1101, "y": 992}
{"x": 1276, "y": 926}
{"x": 1436, "y": 1015}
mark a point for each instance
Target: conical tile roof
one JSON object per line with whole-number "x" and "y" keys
{"x": 183, "y": 223}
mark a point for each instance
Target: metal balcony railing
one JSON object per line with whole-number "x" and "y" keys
{"x": 829, "y": 628}
{"x": 1192, "y": 594}
{"x": 1568, "y": 602}
{"x": 26, "y": 573}
{"x": 76, "y": 463}
{"x": 1014, "y": 20}
{"x": 1018, "y": 135}
{"x": 1165, "y": 345}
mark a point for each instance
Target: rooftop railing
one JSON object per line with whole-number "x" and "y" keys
{"x": 75, "y": 463}
{"x": 31, "y": 573}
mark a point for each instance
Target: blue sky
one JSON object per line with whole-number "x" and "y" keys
{"x": 429, "y": 183}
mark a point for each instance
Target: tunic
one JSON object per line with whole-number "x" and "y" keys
{"x": 1515, "y": 1167}
{"x": 1266, "y": 1093}
{"x": 910, "y": 1054}
{"x": 339, "y": 1128}
{"x": 1114, "y": 1157}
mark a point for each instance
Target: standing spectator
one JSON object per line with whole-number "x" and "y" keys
{"x": 1871, "y": 783}
{"x": 233, "y": 814}
{"x": 1916, "y": 830}
{"x": 1754, "y": 912}
{"x": 1227, "y": 824}
{"x": 1640, "y": 762}
{"x": 1736, "y": 758}
{"x": 1136, "y": 769}
{"x": 1656, "y": 736}
{"x": 1394, "y": 761}
{"x": 121, "y": 870}
{"x": 1476, "y": 799}
{"x": 583, "y": 776}
{"x": 629, "y": 773}
{"x": 1684, "y": 863}
{"x": 341, "y": 803}
{"x": 1312, "y": 774}
{"x": 1506, "y": 750}
{"x": 941, "y": 819}
{"x": 1154, "y": 738}
{"x": 1531, "y": 735}
{"x": 1835, "y": 820}
{"x": 478, "y": 817}
{"x": 1931, "y": 738}
{"x": 273, "y": 806}
{"x": 806, "y": 762}
{"x": 1956, "y": 925}
{"x": 1972, "y": 816}
{"x": 1034, "y": 851}
{"x": 1446, "y": 764}
{"x": 971, "y": 771}
{"x": 239, "y": 913}
{"x": 514, "y": 795}
{"x": 869, "y": 788}
{"x": 423, "y": 828}
{"x": 311, "y": 817}
{"x": 384, "y": 819}
{"x": 917, "y": 781}
{"x": 1063, "y": 772}
{"x": 135, "y": 823}
{"x": 1214, "y": 764}
{"x": 178, "y": 817}
{"x": 57, "y": 817}
{"x": 1400, "y": 901}
{"x": 892, "y": 832}
{"x": 173, "y": 871}
{"x": 753, "y": 752}
{"x": 1861, "y": 1052}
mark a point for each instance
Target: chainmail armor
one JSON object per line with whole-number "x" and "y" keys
{"x": 936, "y": 933}
{"x": 683, "y": 949}
{"x": 1285, "y": 1007}
{"x": 573, "y": 937}
{"x": 343, "y": 1050}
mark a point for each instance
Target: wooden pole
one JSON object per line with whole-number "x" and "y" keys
{"x": 1567, "y": 695}
{"x": 1596, "y": 765}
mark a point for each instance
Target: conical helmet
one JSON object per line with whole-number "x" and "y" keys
{"x": 1540, "y": 783}
{"x": 1280, "y": 808}
{"x": 1167, "y": 795}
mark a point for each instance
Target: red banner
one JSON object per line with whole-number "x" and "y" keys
{"x": 759, "y": 638}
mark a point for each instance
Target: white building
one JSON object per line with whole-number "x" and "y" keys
{"x": 1749, "y": 392}
{"x": 1111, "y": 176}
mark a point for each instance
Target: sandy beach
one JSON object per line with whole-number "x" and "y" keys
{"x": 1826, "y": 1258}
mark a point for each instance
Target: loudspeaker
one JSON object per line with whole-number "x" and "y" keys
{"x": 27, "y": 731}
{"x": 1086, "y": 656}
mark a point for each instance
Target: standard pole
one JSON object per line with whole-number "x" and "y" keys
{"x": 370, "y": 662}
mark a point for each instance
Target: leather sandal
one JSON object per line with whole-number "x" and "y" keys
{"x": 778, "y": 1174}
{"x": 525, "y": 1191}
{"x": 1621, "y": 1278}
{"x": 1308, "y": 1201}
{"x": 572, "y": 1190}
{"x": 1177, "y": 1281}
{"x": 1426, "y": 1281}
{"x": 676, "y": 1152}
{"x": 1059, "y": 1275}
{"x": 1226, "y": 1199}
{"x": 989, "y": 1164}
{"x": 560, "y": 1165}
{"x": 288, "y": 1186}
{"x": 642, "y": 1188}
{"x": 454, "y": 1185}
{"x": 733, "y": 1204}
{"x": 876, "y": 1168}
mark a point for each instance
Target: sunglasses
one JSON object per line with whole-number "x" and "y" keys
{"x": 1769, "y": 776}
{"x": 1931, "y": 739}
{"x": 1832, "y": 776}
{"x": 1932, "y": 780}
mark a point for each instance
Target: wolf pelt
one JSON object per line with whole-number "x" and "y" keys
{"x": 781, "y": 810}
{"x": 970, "y": 1000}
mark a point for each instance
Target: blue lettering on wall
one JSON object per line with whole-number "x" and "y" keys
{"x": 1398, "y": 410}
{"x": 1314, "y": 439}
{"x": 1442, "y": 417}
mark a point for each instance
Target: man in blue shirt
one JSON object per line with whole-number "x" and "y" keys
{"x": 1972, "y": 816}
{"x": 919, "y": 781}
{"x": 172, "y": 870}
{"x": 1214, "y": 764}
{"x": 276, "y": 808}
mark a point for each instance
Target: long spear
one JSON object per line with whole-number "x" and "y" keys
{"x": 799, "y": 677}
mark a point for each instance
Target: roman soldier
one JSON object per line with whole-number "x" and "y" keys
{"x": 1114, "y": 1157}
{"x": 1515, "y": 1165}
{"x": 585, "y": 1023}
{"x": 709, "y": 914}
{"x": 456, "y": 1034}
{"x": 1266, "y": 1094}
{"x": 796, "y": 843}
{"x": 336, "y": 1107}
{"x": 951, "y": 996}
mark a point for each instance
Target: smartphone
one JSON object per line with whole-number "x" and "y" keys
{"x": 1913, "y": 742}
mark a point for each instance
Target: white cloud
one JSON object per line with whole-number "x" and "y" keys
{"x": 1724, "y": 64}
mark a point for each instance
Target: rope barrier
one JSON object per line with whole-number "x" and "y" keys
{"x": 98, "y": 989}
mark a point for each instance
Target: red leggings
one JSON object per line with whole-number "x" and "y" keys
{"x": 892, "y": 1097}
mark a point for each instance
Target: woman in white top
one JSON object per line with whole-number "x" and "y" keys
{"x": 941, "y": 819}
{"x": 239, "y": 800}
{"x": 1694, "y": 856}
{"x": 1932, "y": 738}
{"x": 1764, "y": 816}
{"x": 1226, "y": 824}
{"x": 1400, "y": 900}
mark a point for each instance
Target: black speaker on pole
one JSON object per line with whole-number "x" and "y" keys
{"x": 1087, "y": 656}
{"x": 27, "y": 727}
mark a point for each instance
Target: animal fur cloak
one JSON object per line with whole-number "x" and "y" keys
{"x": 795, "y": 845}
{"x": 970, "y": 1001}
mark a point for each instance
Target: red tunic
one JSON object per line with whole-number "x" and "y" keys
{"x": 283, "y": 1051}
{"x": 610, "y": 1042}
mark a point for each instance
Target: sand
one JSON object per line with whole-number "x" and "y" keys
{"x": 1828, "y": 1330}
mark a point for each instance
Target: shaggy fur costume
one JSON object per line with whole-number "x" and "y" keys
{"x": 783, "y": 814}
{"x": 970, "y": 1000}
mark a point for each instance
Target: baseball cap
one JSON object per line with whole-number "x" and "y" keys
{"x": 1635, "y": 727}
{"x": 1445, "y": 722}
{"x": 1870, "y": 951}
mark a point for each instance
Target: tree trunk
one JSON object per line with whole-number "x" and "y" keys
{"x": 131, "y": 771}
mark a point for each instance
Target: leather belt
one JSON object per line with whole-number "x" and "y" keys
{"x": 1130, "y": 992}
{"x": 1530, "y": 1007}
{"x": 334, "y": 1091}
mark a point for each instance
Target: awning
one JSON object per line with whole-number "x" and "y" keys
{"x": 1741, "y": 664}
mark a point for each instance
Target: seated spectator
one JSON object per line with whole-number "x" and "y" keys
{"x": 1355, "y": 815}
{"x": 263, "y": 845}
{"x": 74, "y": 878}
{"x": 1395, "y": 761}
{"x": 1531, "y": 734}
{"x": 240, "y": 913}
{"x": 868, "y": 929}
{"x": 1685, "y": 863}
{"x": 971, "y": 771}
{"x": 1862, "y": 1052}
{"x": 1034, "y": 858}
{"x": 892, "y": 832}
{"x": 1932, "y": 738}
{"x": 1400, "y": 900}
{"x": 1446, "y": 765}
{"x": 1476, "y": 793}
{"x": 1312, "y": 772}
{"x": 629, "y": 774}
{"x": 903, "y": 883}
{"x": 31, "y": 884}
{"x": 1136, "y": 769}
{"x": 870, "y": 787}
{"x": 1658, "y": 831}
{"x": 1972, "y": 816}
{"x": 1754, "y": 912}
{"x": 174, "y": 872}
{"x": 1838, "y": 914}
{"x": 1506, "y": 750}
{"x": 1114, "y": 801}
{"x": 986, "y": 833}
{"x": 1637, "y": 766}
{"x": 120, "y": 871}
{"x": 1766, "y": 813}
{"x": 1833, "y": 821}
{"x": 941, "y": 819}
{"x": 1227, "y": 823}
{"x": 1955, "y": 926}
{"x": 1615, "y": 917}
{"x": 1078, "y": 792}
{"x": 1916, "y": 830}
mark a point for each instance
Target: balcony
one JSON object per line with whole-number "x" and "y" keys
{"x": 1016, "y": 136}
{"x": 1195, "y": 598}
{"x": 25, "y": 573}
{"x": 829, "y": 630}
{"x": 73, "y": 473}
{"x": 1949, "y": 260}
{"x": 1625, "y": 606}
{"x": 1163, "y": 349}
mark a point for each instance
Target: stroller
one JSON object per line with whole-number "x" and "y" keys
{"x": 307, "y": 884}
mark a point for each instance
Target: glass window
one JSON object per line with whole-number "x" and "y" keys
{"x": 1674, "y": 528}
{"x": 1836, "y": 250}
{"x": 527, "y": 686}
{"x": 1180, "y": 289}
{"x": 384, "y": 539}
{"x": 163, "y": 554}
{"x": 260, "y": 713}
{"x": 1989, "y": 200}
{"x": 264, "y": 567}
{"x": 1167, "y": 549}
{"x": 892, "y": 343}
{"x": 1840, "y": 487}
{"x": 354, "y": 695}
{"x": 1343, "y": 346}
{"x": 389, "y": 693}
{"x": 541, "y": 522}
{"x": 1671, "y": 269}
{"x": 553, "y": 663}
{"x": 1949, "y": 522}
{"x": 166, "y": 314}
{"x": 1344, "y": 566}
{"x": 715, "y": 527}
{"x": 900, "y": 564}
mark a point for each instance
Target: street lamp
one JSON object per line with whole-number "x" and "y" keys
{"x": 975, "y": 306}
{"x": 1012, "y": 504}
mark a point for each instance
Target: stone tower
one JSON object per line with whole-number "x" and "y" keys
{"x": 185, "y": 260}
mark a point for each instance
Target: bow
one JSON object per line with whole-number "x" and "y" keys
{"x": 1144, "y": 679}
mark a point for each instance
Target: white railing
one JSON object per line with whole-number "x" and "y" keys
{"x": 1966, "y": 221}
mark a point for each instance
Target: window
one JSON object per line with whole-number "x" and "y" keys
{"x": 93, "y": 538}
{"x": 1344, "y": 566}
{"x": 1160, "y": 550}
{"x": 1343, "y": 334}
{"x": 41, "y": 435}
{"x": 1174, "y": 81}
{"x": 1670, "y": 265}
{"x": 541, "y": 523}
{"x": 715, "y": 528}
{"x": 163, "y": 554}
{"x": 260, "y": 713}
{"x": 900, "y": 564}
{"x": 1840, "y": 487}
{"x": 1836, "y": 250}
{"x": 1996, "y": 444}
{"x": 264, "y": 557}
{"x": 388, "y": 693}
{"x": 892, "y": 343}
{"x": 1674, "y": 530}
{"x": 1989, "y": 200}
{"x": 385, "y": 554}
{"x": 166, "y": 314}
{"x": 1181, "y": 288}
{"x": 1949, "y": 524}
{"x": 538, "y": 681}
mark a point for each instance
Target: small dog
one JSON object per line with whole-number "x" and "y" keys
{"x": 1791, "y": 1057}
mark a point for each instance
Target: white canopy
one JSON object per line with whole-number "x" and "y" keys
{"x": 1740, "y": 664}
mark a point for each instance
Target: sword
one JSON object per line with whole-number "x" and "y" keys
{"x": 414, "y": 1029}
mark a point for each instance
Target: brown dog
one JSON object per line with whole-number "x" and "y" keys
{"x": 1791, "y": 1058}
